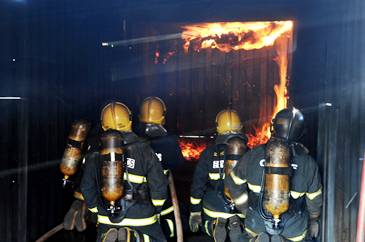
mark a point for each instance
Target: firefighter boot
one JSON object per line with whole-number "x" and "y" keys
{"x": 220, "y": 231}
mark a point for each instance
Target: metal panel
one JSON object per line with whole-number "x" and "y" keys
{"x": 326, "y": 144}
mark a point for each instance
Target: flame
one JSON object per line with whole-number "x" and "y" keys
{"x": 191, "y": 150}
{"x": 262, "y": 135}
{"x": 231, "y": 36}
{"x": 159, "y": 58}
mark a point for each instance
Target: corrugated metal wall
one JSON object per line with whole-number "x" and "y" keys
{"x": 339, "y": 67}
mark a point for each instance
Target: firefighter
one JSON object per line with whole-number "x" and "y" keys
{"x": 143, "y": 182}
{"x": 152, "y": 118}
{"x": 211, "y": 209}
{"x": 281, "y": 183}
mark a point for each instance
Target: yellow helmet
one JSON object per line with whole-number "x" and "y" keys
{"x": 228, "y": 122}
{"x": 116, "y": 116}
{"x": 152, "y": 111}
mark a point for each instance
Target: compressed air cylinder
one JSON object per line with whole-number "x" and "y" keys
{"x": 277, "y": 167}
{"x": 236, "y": 147}
{"x": 112, "y": 167}
{"x": 72, "y": 154}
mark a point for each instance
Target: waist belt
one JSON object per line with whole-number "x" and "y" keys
{"x": 294, "y": 239}
{"x": 214, "y": 214}
{"x": 295, "y": 205}
{"x": 137, "y": 222}
{"x": 140, "y": 195}
{"x": 167, "y": 211}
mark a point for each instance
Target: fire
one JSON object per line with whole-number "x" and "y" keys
{"x": 191, "y": 150}
{"x": 159, "y": 58}
{"x": 262, "y": 134}
{"x": 232, "y": 36}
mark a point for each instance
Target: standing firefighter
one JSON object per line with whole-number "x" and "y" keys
{"x": 283, "y": 184}
{"x": 208, "y": 195}
{"x": 124, "y": 182}
{"x": 152, "y": 117}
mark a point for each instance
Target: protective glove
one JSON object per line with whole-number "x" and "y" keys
{"x": 220, "y": 231}
{"x": 123, "y": 234}
{"x": 235, "y": 228}
{"x": 195, "y": 221}
{"x": 76, "y": 216}
{"x": 313, "y": 228}
{"x": 110, "y": 236}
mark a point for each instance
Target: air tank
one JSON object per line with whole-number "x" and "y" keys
{"x": 236, "y": 147}
{"x": 277, "y": 179}
{"x": 73, "y": 152}
{"x": 112, "y": 168}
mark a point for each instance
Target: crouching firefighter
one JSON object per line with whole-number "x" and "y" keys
{"x": 211, "y": 206}
{"x": 283, "y": 184}
{"x": 152, "y": 118}
{"x": 123, "y": 182}
{"x": 72, "y": 168}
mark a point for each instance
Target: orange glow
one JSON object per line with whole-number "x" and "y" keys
{"x": 233, "y": 36}
{"x": 262, "y": 134}
{"x": 191, "y": 150}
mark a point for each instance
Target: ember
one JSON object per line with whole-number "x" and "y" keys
{"x": 191, "y": 150}
{"x": 159, "y": 58}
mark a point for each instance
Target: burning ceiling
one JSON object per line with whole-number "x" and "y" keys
{"x": 242, "y": 36}
{"x": 231, "y": 36}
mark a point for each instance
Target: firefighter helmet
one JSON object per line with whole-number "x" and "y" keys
{"x": 288, "y": 124}
{"x": 116, "y": 116}
{"x": 152, "y": 111}
{"x": 228, "y": 122}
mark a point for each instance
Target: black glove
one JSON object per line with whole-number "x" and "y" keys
{"x": 76, "y": 216}
{"x": 313, "y": 228}
{"x": 195, "y": 221}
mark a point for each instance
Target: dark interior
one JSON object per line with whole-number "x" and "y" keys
{"x": 54, "y": 70}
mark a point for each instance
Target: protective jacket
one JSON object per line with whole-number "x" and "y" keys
{"x": 168, "y": 151}
{"x": 207, "y": 190}
{"x": 144, "y": 183}
{"x": 305, "y": 191}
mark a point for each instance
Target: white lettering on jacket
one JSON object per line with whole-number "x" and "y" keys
{"x": 218, "y": 164}
{"x": 159, "y": 156}
{"x": 131, "y": 163}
